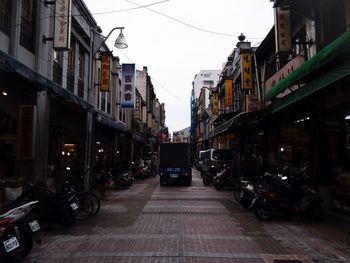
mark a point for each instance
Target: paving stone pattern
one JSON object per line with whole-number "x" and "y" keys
{"x": 150, "y": 223}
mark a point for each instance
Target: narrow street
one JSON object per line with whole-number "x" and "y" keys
{"x": 150, "y": 223}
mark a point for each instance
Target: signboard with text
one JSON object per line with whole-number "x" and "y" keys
{"x": 283, "y": 30}
{"x": 62, "y": 25}
{"x": 228, "y": 93}
{"x": 215, "y": 103}
{"x": 246, "y": 69}
{"x": 105, "y": 71}
{"x": 128, "y": 86}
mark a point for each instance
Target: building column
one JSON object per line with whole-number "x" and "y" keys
{"x": 89, "y": 150}
{"x": 42, "y": 136}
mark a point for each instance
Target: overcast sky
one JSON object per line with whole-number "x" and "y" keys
{"x": 176, "y": 39}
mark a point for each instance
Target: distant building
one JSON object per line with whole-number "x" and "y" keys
{"x": 182, "y": 135}
{"x": 205, "y": 79}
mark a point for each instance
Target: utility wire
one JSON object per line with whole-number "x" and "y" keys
{"x": 186, "y": 24}
{"x": 160, "y": 85}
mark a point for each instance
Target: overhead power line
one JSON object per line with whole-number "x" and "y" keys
{"x": 187, "y": 24}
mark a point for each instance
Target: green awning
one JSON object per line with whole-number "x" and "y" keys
{"x": 338, "y": 73}
{"x": 333, "y": 53}
{"x": 223, "y": 128}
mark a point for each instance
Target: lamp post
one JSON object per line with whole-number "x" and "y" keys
{"x": 120, "y": 43}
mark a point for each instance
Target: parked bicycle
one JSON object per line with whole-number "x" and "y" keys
{"x": 88, "y": 202}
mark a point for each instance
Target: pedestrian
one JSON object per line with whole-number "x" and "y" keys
{"x": 101, "y": 174}
{"x": 154, "y": 164}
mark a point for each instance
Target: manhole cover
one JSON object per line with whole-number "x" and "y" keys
{"x": 198, "y": 188}
{"x": 287, "y": 261}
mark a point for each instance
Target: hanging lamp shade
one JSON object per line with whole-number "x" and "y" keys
{"x": 121, "y": 42}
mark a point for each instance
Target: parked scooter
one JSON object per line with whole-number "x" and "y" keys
{"x": 53, "y": 207}
{"x": 290, "y": 196}
{"x": 18, "y": 229}
{"x": 225, "y": 178}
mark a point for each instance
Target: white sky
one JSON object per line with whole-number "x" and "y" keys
{"x": 174, "y": 52}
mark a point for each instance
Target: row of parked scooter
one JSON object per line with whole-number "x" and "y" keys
{"x": 37, "y": 207}
{"x": 286, "y": 192}
{"x": 124, "y": 177}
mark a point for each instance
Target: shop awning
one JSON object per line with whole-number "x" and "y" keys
{"x": 332, "y": 54}
{"x": 139, "y": 137}
{"x": 338, "y": 73}
{"x": 224, "y": 128}
{"x": 243, "y": 121}
{"x": 250, "y": 120}
{"x": 117, "y": 125}
{"x": 11, "y": 65}
{"x": 152, "y": 140}
{"x": 223, "y": 117}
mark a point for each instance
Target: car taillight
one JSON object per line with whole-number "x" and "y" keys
{"x": 187, "y": 174}
{"x": 161, "y": 174}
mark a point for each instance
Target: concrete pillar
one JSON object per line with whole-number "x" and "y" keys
{"x": 42, "y": 136}
{"x": 15, "y": 30}
{"x": 89, "y": 150}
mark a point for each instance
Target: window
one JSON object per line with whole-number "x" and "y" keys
{"x": 103, "y": 101}
{"x": 27, "y": 24}
{"x": 57, "y": 67}
{"x": 5, "y": 11}
{"x": 81, "y": 63}
{"x": 71, "y": 58}
{"x": 70, "y": 73}
{"x": 207, "y": 75}
{"x": 81, "y": 72}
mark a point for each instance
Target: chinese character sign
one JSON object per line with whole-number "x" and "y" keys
{"x": 246, "y": 69}
{"x": 62, "y": 25}
{"x": 105, "y": 72}
{"x": 228, "y": 93}
{"x": 215, "y": 103}
{"x": 283, "y": 30}
{"x": 128, "y": 86}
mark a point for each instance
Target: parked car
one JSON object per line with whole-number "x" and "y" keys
{"x": 199, "y": 161}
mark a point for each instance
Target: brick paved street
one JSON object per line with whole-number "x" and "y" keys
{"x": 149, "y": 223}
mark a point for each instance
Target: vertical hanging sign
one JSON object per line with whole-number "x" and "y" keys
{"x": 246, "y": 69}
{"x": 128, "y": 86}
{"x": 105, "y": 71}
{"x": 228, "y": 93}
{"x": 215, "y": 103}
{"x": 62, "y": 25}
{"x": 283, "y": 30}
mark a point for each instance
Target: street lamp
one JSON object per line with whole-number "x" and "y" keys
{"x": 119, "y": 43}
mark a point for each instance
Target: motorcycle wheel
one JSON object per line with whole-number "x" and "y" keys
{"x": 206, "y": 180}
{"x": 238, "y": 194}
{"x": 67, "y": 218}
{"x": 246, "y": 202}
{"x": 218, "y": 186}
{"x": 95, "y": 200}
{"x": 262, "y": 213}
{"x": 27, "y": 244}
{"x": 318, "y": 213}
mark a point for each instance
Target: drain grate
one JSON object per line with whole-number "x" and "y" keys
{"x": 287, "y": 261}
